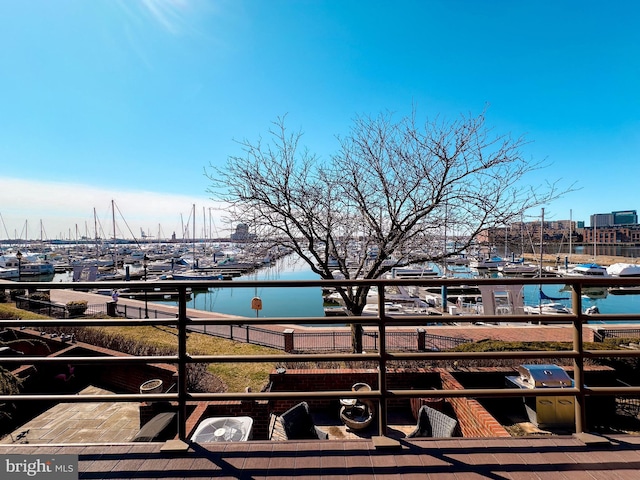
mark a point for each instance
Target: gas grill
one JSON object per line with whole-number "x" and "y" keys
{"x": 545, "y": 411}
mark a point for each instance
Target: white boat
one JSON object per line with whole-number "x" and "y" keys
{"x": 37, "y": 268}
{"x": 488, "y": 263}
{"x": 196, "y": 275}
{"x": 631, "y": 290}
{"x": 623, "y": 270}
{"x": 424, "y": 272}
{"x": 396, "y": 294}
{"x": 587, "y": 270}
{"x": 549, "y": 308}
{"x": 8, "y": 273}
{"x": 519, "y": 269}
{"x": 391, "y": 308}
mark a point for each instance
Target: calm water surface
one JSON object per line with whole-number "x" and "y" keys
{"x": 308, "y": 302}
{"x": 276, "y": 302}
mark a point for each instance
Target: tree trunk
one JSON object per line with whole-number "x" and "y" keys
{"x": 356, "y": 337}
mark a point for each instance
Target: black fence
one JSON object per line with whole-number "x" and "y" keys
{"x": 42, "y": 307}
{"x": 299, "y": 342}
{"x": 601, "y": 335}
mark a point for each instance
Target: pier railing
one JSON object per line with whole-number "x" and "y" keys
{"x": 382, "y": 357}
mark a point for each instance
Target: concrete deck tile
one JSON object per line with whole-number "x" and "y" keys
{"x": 178, "y": 468}
{"x": 307, "y": 460}
{"x": 204, "y": 468}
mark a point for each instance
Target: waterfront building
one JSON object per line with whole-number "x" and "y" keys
{"x": 621, "y": 217}
{"x": 552, "y": 231}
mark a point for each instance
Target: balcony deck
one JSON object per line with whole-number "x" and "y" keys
{"x": 538, "y": 457}
{"x": 456, "y": 458}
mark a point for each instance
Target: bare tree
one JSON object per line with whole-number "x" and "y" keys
{"x": 390, "y": 194}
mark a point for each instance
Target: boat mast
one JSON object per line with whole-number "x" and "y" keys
{"x": 194, "y": 235}
{"x": 570, "y": 231}
{"x": 115, "y": 246}
{"x": 541, "y": 257}
{"x": 541, "y": 239}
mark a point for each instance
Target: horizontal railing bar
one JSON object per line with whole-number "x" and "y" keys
{"x": 373, "y": 394}
{"x": 88, "y": 322}
{"x": 107, "y": 360}
{"x": 302, "y": 357}
{"x": 71, "y": 398}
{"x": 369, "y": 320}
{"x": 236, "y": 283}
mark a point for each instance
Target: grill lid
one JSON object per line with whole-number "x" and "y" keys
{"x": 550, "y": 376}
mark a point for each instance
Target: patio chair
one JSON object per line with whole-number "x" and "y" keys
{"x": 432, "y": 423}
{"x": 298, "y": 424}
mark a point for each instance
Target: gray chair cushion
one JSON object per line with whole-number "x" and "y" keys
{"x": 298, "y": 424}
{"x": 432, "y": 423}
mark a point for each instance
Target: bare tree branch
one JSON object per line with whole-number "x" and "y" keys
{"x": 388, "y": 195}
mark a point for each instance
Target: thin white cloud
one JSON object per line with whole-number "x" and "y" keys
{"x": 173, "y": 15}
{"x": 166, "y": 13}
{"x": 63, "y": 207}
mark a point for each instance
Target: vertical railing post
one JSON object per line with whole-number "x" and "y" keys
{"x": 422, "y": 339}
{"x": 578, "y": 362}
{"x": 382, "y": 365}
{"x": 182, "y": 363}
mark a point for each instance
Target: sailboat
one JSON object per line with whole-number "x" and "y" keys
{"x": 547, "y": 305}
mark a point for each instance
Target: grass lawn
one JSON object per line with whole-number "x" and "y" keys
{"x": 237, "y": 376}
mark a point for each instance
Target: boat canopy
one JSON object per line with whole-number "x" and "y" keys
{"x": 544, "y": 296}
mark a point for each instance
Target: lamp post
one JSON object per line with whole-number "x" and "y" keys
{"x": 145, "y": 263}
{"x": 19, "y": 257}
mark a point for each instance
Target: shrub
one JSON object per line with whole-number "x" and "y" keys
{"x": 76, "y": 308}
{"x": 41, "y": 295}
{"x": 17, "y": 293}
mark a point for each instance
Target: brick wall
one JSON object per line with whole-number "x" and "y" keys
{"x": 473, "y": 419}
{"x": 121, "y": 379}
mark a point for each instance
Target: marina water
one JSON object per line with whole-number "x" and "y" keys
{"x": 308, "y": 302}
{"x": 276, "y": 302}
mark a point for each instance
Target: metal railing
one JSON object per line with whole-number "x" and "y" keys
{"x": 382, "y": 354}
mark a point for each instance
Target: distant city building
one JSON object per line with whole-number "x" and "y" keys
{"x": 627, "y": 217}
{"x": 242, "y": 234}
{"x": 615, "y": 227}
{"x": 553, "y": 231}
{"x": 623, "y": 217}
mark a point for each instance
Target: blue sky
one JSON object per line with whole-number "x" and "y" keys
{"x": 130, "y": 100}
